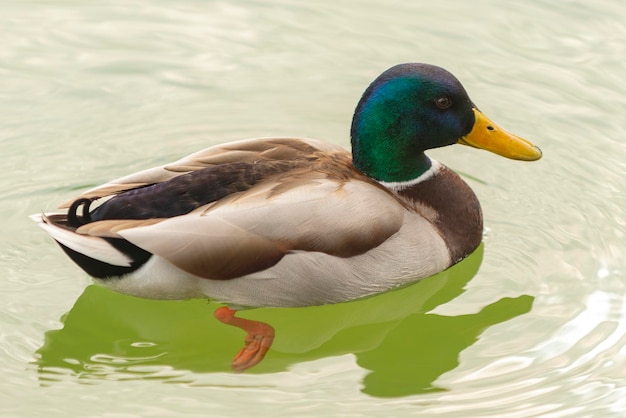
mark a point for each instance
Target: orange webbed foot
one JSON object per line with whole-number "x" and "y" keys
{"x": 258, "y": 341}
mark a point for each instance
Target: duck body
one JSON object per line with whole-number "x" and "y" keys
{"x": 286, "y": 222}
{"x": 306, "y": 228}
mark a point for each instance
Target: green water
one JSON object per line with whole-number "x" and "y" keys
{"x": 532, "y": 324}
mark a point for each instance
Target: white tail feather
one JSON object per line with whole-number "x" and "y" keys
{"x": 93, "y": 247}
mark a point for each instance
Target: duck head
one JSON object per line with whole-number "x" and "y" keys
{"x": 414, "y": 107}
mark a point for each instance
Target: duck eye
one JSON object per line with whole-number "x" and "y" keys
{"x": 443, "y": 102}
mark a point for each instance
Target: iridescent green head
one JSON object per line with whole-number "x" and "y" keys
{"x": 414, "y": 107}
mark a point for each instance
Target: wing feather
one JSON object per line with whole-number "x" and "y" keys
{"x": 249, "y": 233}
{"x": 248, "y": 150}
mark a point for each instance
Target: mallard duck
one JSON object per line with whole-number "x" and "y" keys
{"x": 289, "y": 222}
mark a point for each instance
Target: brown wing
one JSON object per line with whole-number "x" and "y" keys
{"x": 246, "y": 151}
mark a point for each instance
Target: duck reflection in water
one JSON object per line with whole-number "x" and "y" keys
{"x": 111, "y": 336}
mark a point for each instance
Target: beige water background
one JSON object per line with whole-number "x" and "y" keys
{"x": 93, "y": 90}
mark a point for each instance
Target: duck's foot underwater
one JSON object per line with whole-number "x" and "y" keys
{"x": 258, "y": 341}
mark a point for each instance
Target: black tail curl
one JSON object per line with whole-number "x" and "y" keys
{"x": 75, "y": 220}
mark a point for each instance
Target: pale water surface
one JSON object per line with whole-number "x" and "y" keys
{"x": 93, "y": 90}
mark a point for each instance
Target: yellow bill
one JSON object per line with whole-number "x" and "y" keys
{"x": 489, "y": 136}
